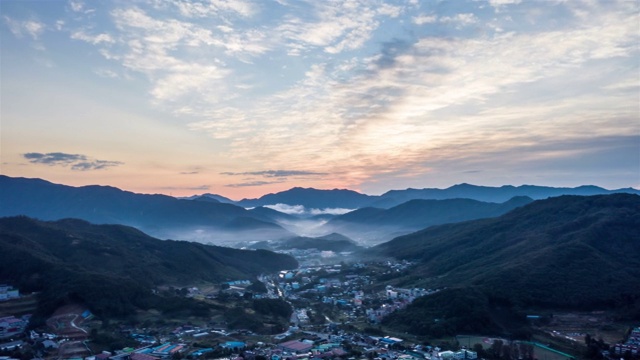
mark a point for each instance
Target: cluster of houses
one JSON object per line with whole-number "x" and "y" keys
{"x": 7, "y": 292}
{"x": 313, "y": 346}
{"x": 632, "y": 345}
{"x": 11, "y": 326}
{"x": 399, "y": 299}
{"x": 347, "y": 290}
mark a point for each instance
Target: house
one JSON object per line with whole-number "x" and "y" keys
{"x": 139, "y": 356}
{"x": 233, "y": 345}
{"x": 447, "y": 354}
{"x": 295, "y": 346}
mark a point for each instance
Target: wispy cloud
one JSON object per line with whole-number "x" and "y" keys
{"x": 252, "y": 184}
{"x": 336, "y": 26}
{"x": 20, "y": 28}
{"x": 301, "y": 210}
{"x": 74, "y": 161}
{"x": 92, "y": 39}
{"x": 276, "y": 173}
{"x": 189, "y": 188}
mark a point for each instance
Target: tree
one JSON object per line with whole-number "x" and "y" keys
{"x": 479, "y": 349}
{"x": 506, "y": 352}
{"x": 496, "y": 349}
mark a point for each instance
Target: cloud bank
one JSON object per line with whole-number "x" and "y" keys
{"x": 302, "y": 211}
{"x": 74, "y": 161}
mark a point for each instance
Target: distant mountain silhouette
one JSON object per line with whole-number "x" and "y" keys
{"x": 311, "y": 198}
{"x": 348, "y": 199}
{"x": 490, "y": 194}
{"x": 208, "y": 196}
{"x": 211, "y": 218}
{"x": 372, "y": 225}
{"x": 159, "y": 215}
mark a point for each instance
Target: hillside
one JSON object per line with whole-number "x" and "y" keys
{"x": 113, "y": 268}
{"x": 569, "y": 252}
{"x": 159, "y": 215}
{"x": 372, "y": 225}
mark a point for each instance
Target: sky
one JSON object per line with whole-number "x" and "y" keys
{"x": 247, "y": 97}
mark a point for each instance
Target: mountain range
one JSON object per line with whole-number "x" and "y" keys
{"x": 348, "y": 199}
{"x": 158, "y": 215}
{"x": 210, "y": 218}
{"x": 374, "y": 225}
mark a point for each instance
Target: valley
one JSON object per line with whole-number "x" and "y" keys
{"x": 540, "y": 278}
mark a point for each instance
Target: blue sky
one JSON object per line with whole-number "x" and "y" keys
{"x": 242, "y": 97}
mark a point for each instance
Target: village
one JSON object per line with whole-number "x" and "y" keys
{"x": 336, "y": 310}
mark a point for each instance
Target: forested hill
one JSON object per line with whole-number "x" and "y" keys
{"x": 568, "y": 251}
{"x": 112, "y": 268}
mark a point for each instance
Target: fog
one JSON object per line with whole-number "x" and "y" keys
{"x": 220, "y": 237}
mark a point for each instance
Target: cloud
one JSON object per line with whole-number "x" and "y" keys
{"x": 191, "y": 188}
{"x": 54, "y": 158}
{"x": 301, "y": 210}
{"x": 424, "y": 19}
{"x": 214, "y": 7}
{"x": 92, "y": 39}
{"x": 330, "y": 211}
{"x": 181, "y": 57}
{"x": 76, "y": 6}
{"x": 288, "y": 209}
{"x": 276, "y": 173}
{"x": 461, "y": 19}
{"x": 499, "y": 3}
{"x": 253, "y": 183}
{"x": 337, "y": 26}
{"x": 390, "y": 50}
{"x": 32, "y": 28}
{"x": 75, "y": 161}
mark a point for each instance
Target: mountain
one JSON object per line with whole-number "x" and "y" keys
{"x": 347, "y": 199}
{"x": 373, "y": 225}
{"x": 159, "y": 215}
{"x": 581, "y": 251}
{"x": 568, "y": 252}
{"x": 490, "y": 194}
{"x": 210, "y": 197}
{"x": 113, "y": 268}
{"x": 311, "y": 198}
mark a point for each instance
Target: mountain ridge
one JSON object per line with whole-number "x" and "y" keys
{"x": 160, "y": 215}
{"x": 330, "y": 198}
{"x": 525, "y": 242}
{"x": 114, "y": 268}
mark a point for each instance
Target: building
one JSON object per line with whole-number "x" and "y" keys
{"x": 7, "y": 292}
{"x": 295, "y": 346}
